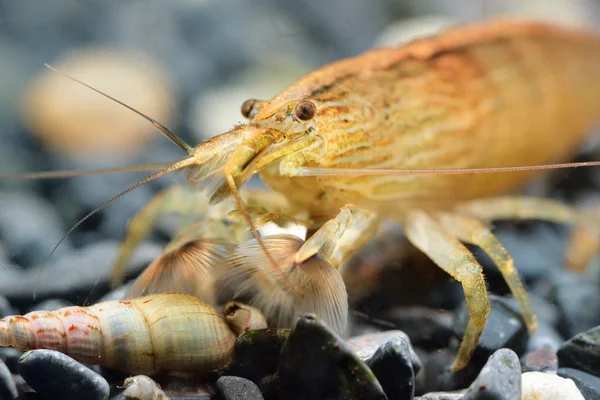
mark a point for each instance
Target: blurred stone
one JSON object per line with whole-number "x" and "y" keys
{"x": 30, "y": 228}
{"x": 8, "y": 389}
{"x": 588, "y": 385}
{"x": 582, "y": 352}
{"x": 438, "y": 377}
{"x": 541, "y": 360}
{"x": 78, "y": 123}
{"x": 545, "y": 337}
{"x": 424, "y": 326}
{"x": 578, "y": 299}
{"x": 84, "y": 272}
{"x": 504, "y": 328}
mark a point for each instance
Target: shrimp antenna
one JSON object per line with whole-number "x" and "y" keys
{"x": 186, "y": 162}
{"x": 173, "y": 137}
{"x": 84, "y": 172}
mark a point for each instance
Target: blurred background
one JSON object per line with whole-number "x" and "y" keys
{"x": 187, "y": 63}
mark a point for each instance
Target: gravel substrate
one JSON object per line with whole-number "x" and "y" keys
{"x": 407, "y": 318}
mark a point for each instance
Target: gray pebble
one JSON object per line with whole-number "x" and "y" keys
{"x": 56, "y": 375}
{"x": 545, "y": 337}
{"x": 588, "y": 385}
{"x": 500, "y": 378}
{"x": 441, "y": 396}
{"x": 582, "y": 352}
{"x": 10, "y": 356}
{"x": 236, "y": 388}
{"x": 316, "y": 363}
{"x": 392, "y": 366}
{"x": 504, "y": 328}
{"x": 366, "y": 345}
{"x": 50, "y": 305}
{"x": 81, "y": 270}
{"x": 8, "y": 389}
{"x": 578, "y": 299}
{"x": 5, "y": 308}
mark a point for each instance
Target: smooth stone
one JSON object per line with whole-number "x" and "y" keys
{"x": 504, "y": 328}
{"x": 30, "y": 396}
{"x": 366, "y": 345}
{"x": 392, "y": 366}
{"x": 438, "y": 377}
{"x": 588, "y": 385}
{"x": 541, "y": 360}
{"x": 582, "y": 352}
{"x": 316, "y": 363}
{"x": 548, "y": 386}
{"x": 236, "y": 388}
{"x": 56, "y": 375}
{"x": 441, "y": 396}
{"x": 424, "y": 326}
{"x": 546, "y": 336}
{"x": 10, "y": 356}
{"x": 578, "y": 300}
{"x": 5, "y": 308}
{"x": 81, "y": 272}
{"x": 499, "y": 379}
{"x": 51, "y": 305}
{"x": 256, "y": 353}
{"x": 8, "y": 389}
{"x": 30, "y": 227}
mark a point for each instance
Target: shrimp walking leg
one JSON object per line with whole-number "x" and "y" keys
{"x": 444, "y": 249}
{"x": 473, "y": 231}
{"x": 585, "y": 239}
{"x": 175, "y": 199}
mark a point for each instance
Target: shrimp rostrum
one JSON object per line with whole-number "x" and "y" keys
{"x": 431, "y": 134}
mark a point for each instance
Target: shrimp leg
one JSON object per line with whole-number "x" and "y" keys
{"x": 584, "y": 241}
{"x": 473, "y": 231}
{"x": 444, "y": 249}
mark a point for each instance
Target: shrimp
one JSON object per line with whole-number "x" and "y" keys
{"x": 432, "y": 134}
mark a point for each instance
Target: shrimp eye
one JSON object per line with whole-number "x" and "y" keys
{"x": 247, "y": 107}
{"x": 305, "y": 110}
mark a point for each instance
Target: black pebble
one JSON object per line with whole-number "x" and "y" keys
{"x": 504, "y": 329}
{"x": 58, "y": 376}
{"x": 437, "y": 374}
{"x": 588, "y": 385}
{"x": 392, "y": 366}
{"x": 500, "y": 378}
{"x": 582, "y": 352}
{"x": 426, "y": 327}
{"x": 256, "y": 353}
{"x": 236, "y": 388}
{"x": 10, "y": 356}
{"x": 8, "y": 389}
{"x": 315, "y": 363}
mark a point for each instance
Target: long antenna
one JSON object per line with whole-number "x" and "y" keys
{"x": 84, "y": 172}
{"x": 186, "y": 162}
{"x": 174, "y": 138}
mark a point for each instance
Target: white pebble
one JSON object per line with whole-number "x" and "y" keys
{"x": 546, "y": 386}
